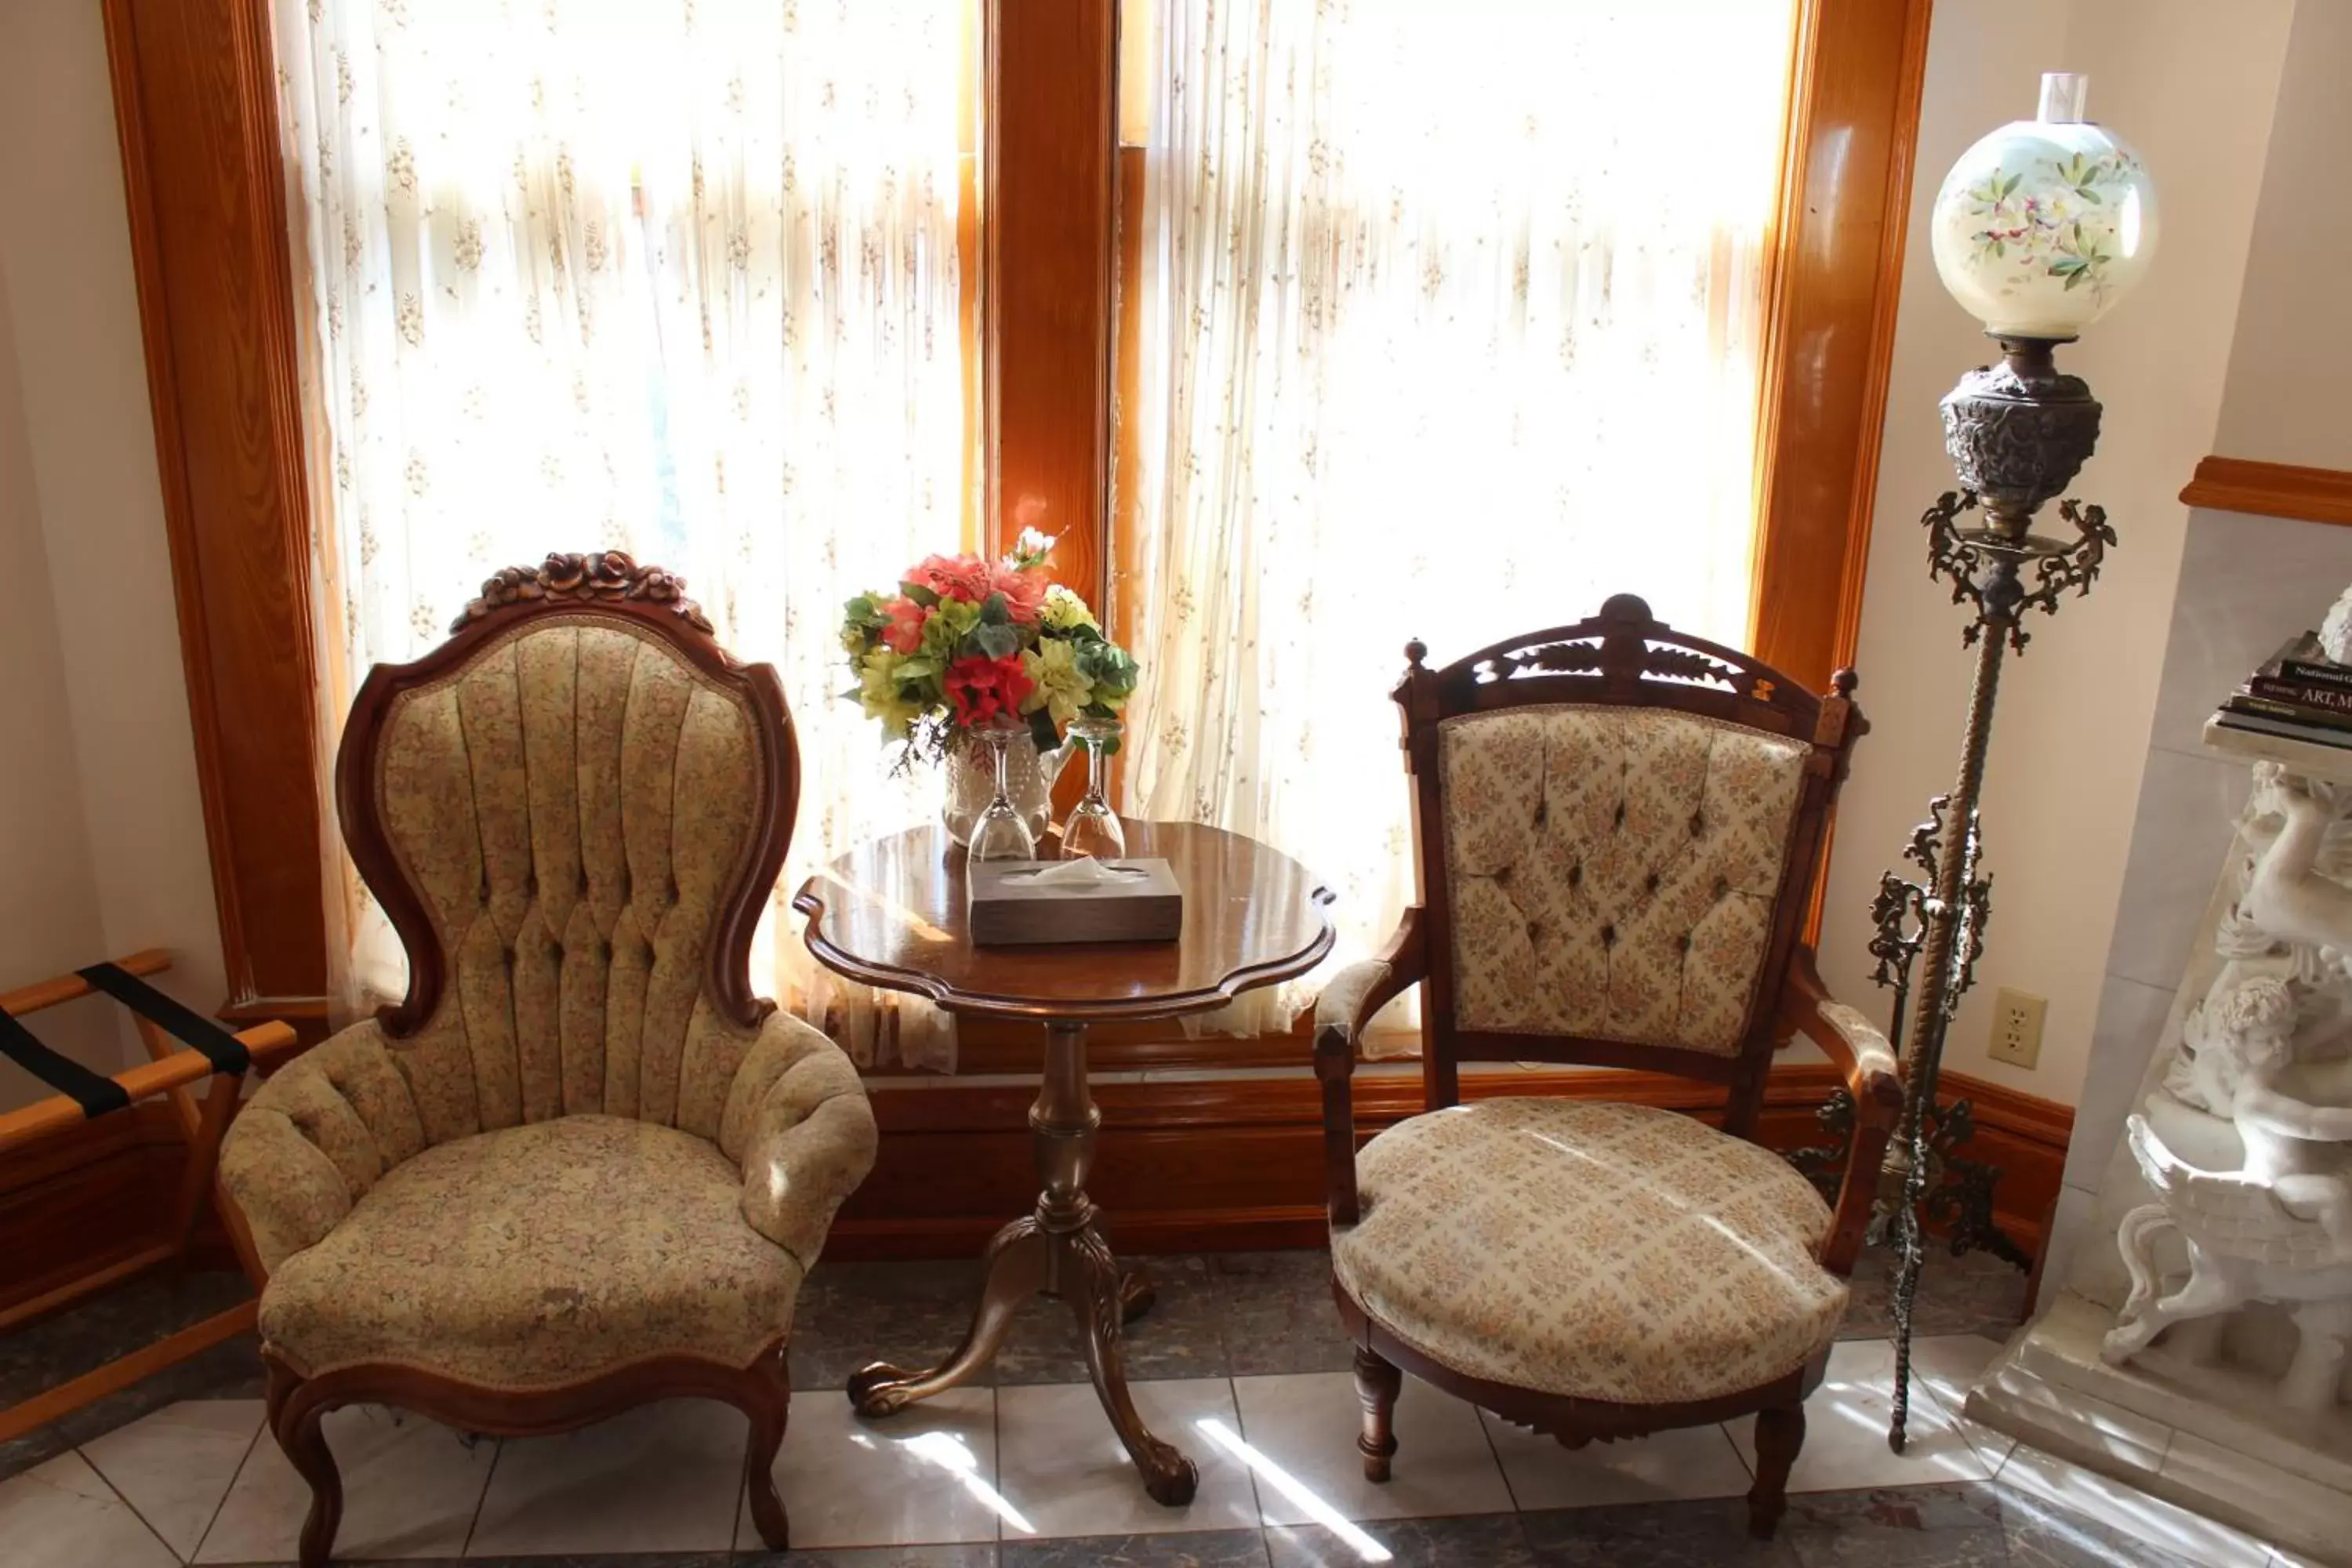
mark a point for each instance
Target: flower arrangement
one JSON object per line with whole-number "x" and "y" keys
{"x": 966, "y": 642}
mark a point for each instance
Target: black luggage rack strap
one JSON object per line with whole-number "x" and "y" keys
{"x": 94, "y": 1092}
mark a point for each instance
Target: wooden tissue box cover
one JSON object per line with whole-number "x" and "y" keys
{"x": 1010, "y": 908}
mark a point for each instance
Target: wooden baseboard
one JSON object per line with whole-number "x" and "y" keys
{"x": 1236, "y": 1163}
{"x": 1219, "y": 1164}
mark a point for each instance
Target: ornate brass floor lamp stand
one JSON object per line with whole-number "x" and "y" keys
{"x": 2018, "y": 432}
{"x": 2039, "y": 229}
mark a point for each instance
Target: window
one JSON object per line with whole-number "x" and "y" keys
{"x": 690, "y": 281}
{"x": 221, "y": 129}
{"x": 1449, "y": 325}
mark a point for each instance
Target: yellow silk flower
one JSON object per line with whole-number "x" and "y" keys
{"x": 1059, "y": 685}
{"x": 877, "y": 693}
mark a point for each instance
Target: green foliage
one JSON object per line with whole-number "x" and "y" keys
{"x": 1111, "y": 667}
{"x": 1041, "y": 730}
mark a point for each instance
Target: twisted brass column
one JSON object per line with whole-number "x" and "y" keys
{"x": 2018, "y": 432}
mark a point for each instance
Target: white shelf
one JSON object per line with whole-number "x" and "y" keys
{"x": 2309, "y": 758}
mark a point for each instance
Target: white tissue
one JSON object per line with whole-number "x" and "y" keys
{"x": 1079, "y": 875}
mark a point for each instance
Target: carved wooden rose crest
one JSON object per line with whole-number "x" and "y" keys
{"x": 599, "y": 575}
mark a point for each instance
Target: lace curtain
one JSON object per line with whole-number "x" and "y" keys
{"x": 680, "y": 279}
{"x": 1451, "y": 329}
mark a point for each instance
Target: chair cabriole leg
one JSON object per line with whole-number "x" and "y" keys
{"x": 295, "y": 1423}
{"x": 1377, "y": 1385}
{"x": 768, "y": 1403}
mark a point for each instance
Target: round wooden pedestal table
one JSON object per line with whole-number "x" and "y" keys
{"x": 892, "y": 914}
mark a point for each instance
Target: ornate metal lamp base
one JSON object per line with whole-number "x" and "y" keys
{"x": 1951, "y": 1191}
{"x": 1959, "y": 1190}
{"x": 2017, "y": 433}
{"x": 1958, "y": 1197}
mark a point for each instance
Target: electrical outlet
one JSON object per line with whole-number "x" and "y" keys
{"x": 2017, "y": 1028}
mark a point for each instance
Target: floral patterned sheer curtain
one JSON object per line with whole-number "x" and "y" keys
{"x": 680, "y": 280}
{"x": 1451, "y": 327}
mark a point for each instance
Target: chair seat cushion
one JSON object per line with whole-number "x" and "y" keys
{"x": 538, "y": 1256}
{"x": 1606, "y": 1252}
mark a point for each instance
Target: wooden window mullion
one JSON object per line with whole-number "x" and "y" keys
{"x": 1046, "y": 290}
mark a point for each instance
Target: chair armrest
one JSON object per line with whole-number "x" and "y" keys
{"x": 1861, "y": 1052}
{"x": 1345, "y": 1005}
{"x": 315, "y": 1138}
{"x": 286, "y": 1188}
{"x": 798, "y": 1120}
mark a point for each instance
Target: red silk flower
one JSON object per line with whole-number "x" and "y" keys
{"x": 905, "y": 631}
{"x": 952, "y": 576}
{"x": 1025, "y": 591}
{"x": 984, "y": 688}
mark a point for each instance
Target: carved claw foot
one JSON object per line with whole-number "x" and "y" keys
{"x": 1014, "y": 1269}
{"x": 1167, "y": 1476}
{"x": 880, "y": 1389}
{"x": 1103, "y": 1298}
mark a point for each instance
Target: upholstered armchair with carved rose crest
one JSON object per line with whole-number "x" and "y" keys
{"x": 1618, "y": 829}
{"x": 579, "y": 1166}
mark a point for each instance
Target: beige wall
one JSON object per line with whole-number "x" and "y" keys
{"x": 111, "y": 842}
{"x": 2289, "y": 396}
{"x": 49, "y": 897}
{"x": 2246, "y": 581}
{"x": 2192, "y": 86}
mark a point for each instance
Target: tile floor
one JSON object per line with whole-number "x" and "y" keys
{"x": 1240, "y": 1365}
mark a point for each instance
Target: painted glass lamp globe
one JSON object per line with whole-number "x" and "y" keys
{"x": 2045, "y": 223}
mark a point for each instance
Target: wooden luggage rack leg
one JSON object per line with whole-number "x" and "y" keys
{"x": 173, "y": 1071}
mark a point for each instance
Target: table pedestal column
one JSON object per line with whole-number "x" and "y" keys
{"x": 1059, "y": 1251}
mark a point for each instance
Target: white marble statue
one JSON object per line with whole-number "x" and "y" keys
{"x": 2336, "y": 630}
{"x": 2247, "y": 1143}
{"x": 2194, "y": 1336}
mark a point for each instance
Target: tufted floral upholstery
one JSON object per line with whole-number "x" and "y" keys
{"x": 1614, "y": 870}
{"x": 1609, "y": 1252}
{"x": 579, "y": 1158}
{"x": 573, "y": 806}
{"x": 586, "y": 1243}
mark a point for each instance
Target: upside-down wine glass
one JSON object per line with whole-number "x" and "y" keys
{"x": 998, "y": 833}
{"x": 1093, "y": 831}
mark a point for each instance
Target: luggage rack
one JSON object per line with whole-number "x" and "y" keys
{"x": 184, "y": 1048}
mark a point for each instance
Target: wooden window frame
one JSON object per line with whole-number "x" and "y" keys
{"x": 1836, "y": 278}
{"x": 204, "y": 181}
{"x": 205, "y": 184}
{"x": 1831, "y": 286}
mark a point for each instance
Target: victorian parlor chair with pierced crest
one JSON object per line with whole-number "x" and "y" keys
{"x": 1618, "y": 828}
{"x": 581, "y": 1166}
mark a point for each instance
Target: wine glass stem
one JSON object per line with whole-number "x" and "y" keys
{"x": 1096, "y": 768}
{"x": 1003, "y": 748}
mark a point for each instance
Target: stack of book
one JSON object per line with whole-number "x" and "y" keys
{"x": 2299, "y": 692}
